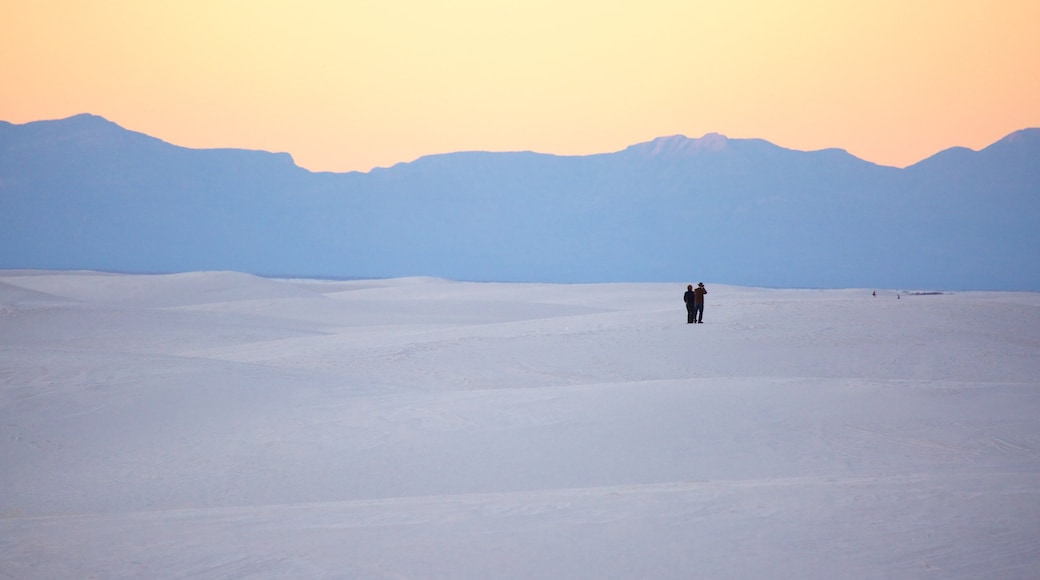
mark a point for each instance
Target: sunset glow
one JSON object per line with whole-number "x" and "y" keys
{"x": 358, "y": 84}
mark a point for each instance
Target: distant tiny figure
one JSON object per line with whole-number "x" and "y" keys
{"x": 695, "y": 303}
{"x": 874, "y": 293}
{"x": 688, "y": 298}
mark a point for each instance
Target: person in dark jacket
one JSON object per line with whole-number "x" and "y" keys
{"x": 698, "y": 302}
{"x": 688, "y": 299}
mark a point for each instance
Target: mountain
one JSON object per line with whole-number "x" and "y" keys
{"x": 84, "y": 193}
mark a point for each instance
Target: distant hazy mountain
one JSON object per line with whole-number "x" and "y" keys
{"x": 84, "y": 193}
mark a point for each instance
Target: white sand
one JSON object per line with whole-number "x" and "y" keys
{"x": 220, "y": 425}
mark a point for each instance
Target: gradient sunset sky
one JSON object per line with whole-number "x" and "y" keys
{"x": 354, "y": 84}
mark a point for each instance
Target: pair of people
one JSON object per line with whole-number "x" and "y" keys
{"x": 694, "y": 300}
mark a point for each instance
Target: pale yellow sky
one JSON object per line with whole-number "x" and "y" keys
{"x": 354, "y": 84}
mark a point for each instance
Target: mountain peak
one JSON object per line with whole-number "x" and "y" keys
{"x": 682, "y": 145}
{"x": 80, "y": 122}
{"x": 1022, "y": 137}
{"x": 88, "y": 118}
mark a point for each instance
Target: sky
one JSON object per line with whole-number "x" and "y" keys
{"x": 352, "y": 85}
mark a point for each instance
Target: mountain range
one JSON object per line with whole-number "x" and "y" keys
{"x": 85, "y": 193}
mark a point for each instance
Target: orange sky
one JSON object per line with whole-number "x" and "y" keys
{"x": 352, "y": 84}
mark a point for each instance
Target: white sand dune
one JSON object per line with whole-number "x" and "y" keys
{"x": 221, "y": 425}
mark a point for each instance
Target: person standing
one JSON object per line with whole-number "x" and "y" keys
{"x": 688, "y": 297}
{"x": 698, "y": 302}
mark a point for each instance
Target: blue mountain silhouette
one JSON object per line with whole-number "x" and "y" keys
{"x": 84, "y": 193}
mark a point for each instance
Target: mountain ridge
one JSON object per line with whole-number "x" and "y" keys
{"x": 84, "y": 193}
{"x": 669, "y": 144}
